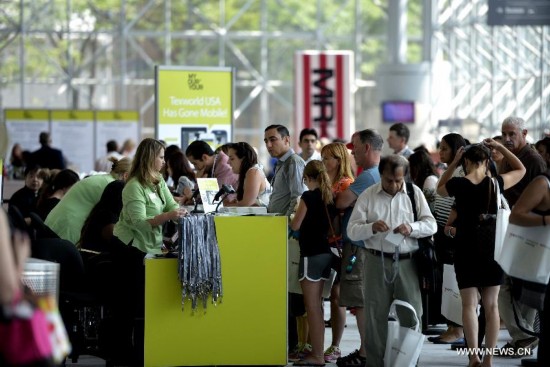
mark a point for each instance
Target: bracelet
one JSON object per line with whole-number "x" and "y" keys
{"x": 544, "y": 220}
{"x": 449, "y": 234}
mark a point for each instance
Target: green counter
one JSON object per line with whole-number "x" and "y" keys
{"x": 249, "y": 327}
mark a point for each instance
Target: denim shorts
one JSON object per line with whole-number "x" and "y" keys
{"x": 314, "y": 268}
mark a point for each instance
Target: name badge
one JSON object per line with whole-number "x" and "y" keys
{"x": 152, "y": 196}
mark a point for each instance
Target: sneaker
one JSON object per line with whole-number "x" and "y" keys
{"x": 530, "y": 343}
{"x": 332, "y": 354}
{"x": 300, "y": 352}
{"x": 352, "y": 360}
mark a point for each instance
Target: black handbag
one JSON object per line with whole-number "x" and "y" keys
{"x": 485, "y": 230}
{"x": 425, "y": 258}
{"x": 445, "y": 246}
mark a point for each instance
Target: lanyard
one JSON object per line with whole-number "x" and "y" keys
{"x": 277, "y": 169}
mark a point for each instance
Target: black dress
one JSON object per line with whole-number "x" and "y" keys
{"x": 475, "y": 265}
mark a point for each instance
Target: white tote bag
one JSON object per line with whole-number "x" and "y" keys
{"x": 451, "y": 303}
{"x": 526, "y": 253}
{"x": 293, "y": 269}
{"x": 403, "y": 344}
{"x": 503, "y": 213}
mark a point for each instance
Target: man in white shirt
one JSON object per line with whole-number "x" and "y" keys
{"x": 104, "y": 164}
{"x": 390, "y": 272}
{"x": 398, "y": 139}
{"x": 308, "y": 144}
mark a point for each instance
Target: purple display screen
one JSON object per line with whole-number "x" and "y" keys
{"x": 398, "y": 111}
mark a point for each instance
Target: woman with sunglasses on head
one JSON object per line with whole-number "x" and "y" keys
{"x": 336, "y": 159}
{"x": 253, "y": 188}
{"x": 312, "y": 217}
{"x": 475, "y": 266}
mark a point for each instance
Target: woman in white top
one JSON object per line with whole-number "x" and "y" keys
{"x": 253, "y": 188}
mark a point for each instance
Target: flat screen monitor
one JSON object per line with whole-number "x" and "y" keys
{"x": 398, "y": 111}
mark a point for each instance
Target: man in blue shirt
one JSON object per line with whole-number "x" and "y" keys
{"x": 367, "y": 147}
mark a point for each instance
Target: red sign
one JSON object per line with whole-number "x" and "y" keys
{"x": 323, "y": 100}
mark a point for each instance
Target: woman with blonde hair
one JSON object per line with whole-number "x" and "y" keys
{"x": 69, "y": 215}
{"x": 147, "y": 204}
{"x": 336, "y": 159}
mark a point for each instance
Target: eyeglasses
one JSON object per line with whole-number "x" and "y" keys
{"x": 351, "y": 262}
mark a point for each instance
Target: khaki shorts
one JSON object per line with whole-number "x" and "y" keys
{"x": 351, "y": 283}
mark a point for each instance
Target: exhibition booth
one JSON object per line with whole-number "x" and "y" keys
{"x": 251, "y": 312}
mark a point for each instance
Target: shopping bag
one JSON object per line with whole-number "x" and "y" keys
{"x": 293, "y": 285}
{"x": 526, "y": 253}
{"x": 451, "y": 303}
{"x": 61, "y": 347}
{"x": 503, "y": 213}
{"x": 403, "y": 344}
{"x": 24, "y": 337}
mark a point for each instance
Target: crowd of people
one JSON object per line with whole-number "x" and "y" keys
{"x": 352, "y": 190}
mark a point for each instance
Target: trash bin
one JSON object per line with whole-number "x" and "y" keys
{"x": 42, "y": 277}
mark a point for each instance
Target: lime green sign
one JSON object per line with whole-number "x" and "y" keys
{"x": 186, "y": 96}
{"x": 194, "y": 103}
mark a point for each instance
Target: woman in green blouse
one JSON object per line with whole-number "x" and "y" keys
{"x": 146, "y": 205}
{"x": 146, "y": 201}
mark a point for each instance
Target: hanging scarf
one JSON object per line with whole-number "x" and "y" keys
{"x": 199, "y": 263}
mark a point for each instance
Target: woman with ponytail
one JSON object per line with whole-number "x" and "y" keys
{"x": 315, "y": 210}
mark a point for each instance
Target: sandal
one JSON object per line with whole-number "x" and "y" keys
{"x": 351, "y": 360}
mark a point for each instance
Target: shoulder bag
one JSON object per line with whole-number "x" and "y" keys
{"x": 503, "y": 214}
{"x": 426, "y": 261}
